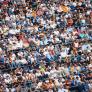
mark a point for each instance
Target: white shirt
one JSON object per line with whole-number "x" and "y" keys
{"x": 5, "y": 75}
{"x": 63, "y": 54}
{"x": 62, "y": 90}
{"x": 14, "y": 31}
{"x": 8, "y": 80}
{"x": 0, "y": 50}
{"x": 13, "y": 57}
{"x": 53, "y": 73}
{"x": 45, "y": 53}
{"x": 13, "y": 90}
{"x": 19, "y": 44}
{"x": 6, "y": 90}
{"x": 90, "y": 86}
{"x": 1, "y": 0}
{"x": 57, "y": 82}
{"x": 24, "y": 61}
{"x": 64, "y": 35}
{"x": 38, "y": 74}
{"x": 39, "y": 85}
{"x": 7, "y": 18}
{"x": 76, "y": 45}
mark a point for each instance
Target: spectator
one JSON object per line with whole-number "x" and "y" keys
{"x": 45, "y": 45}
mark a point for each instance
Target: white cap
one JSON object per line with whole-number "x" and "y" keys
{"x": 88, "y": 12}
{"x": 0, "y": 50}
{"x": 74, "y": 4}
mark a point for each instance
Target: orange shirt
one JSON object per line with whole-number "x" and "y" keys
{"x": 64, "y": 8}
{"x": 34, "y": 13}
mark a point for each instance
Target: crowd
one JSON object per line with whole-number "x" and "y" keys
{"x": 45, "y": 45}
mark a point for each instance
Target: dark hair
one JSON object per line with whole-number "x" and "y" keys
{"x": 28, "y": 90}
